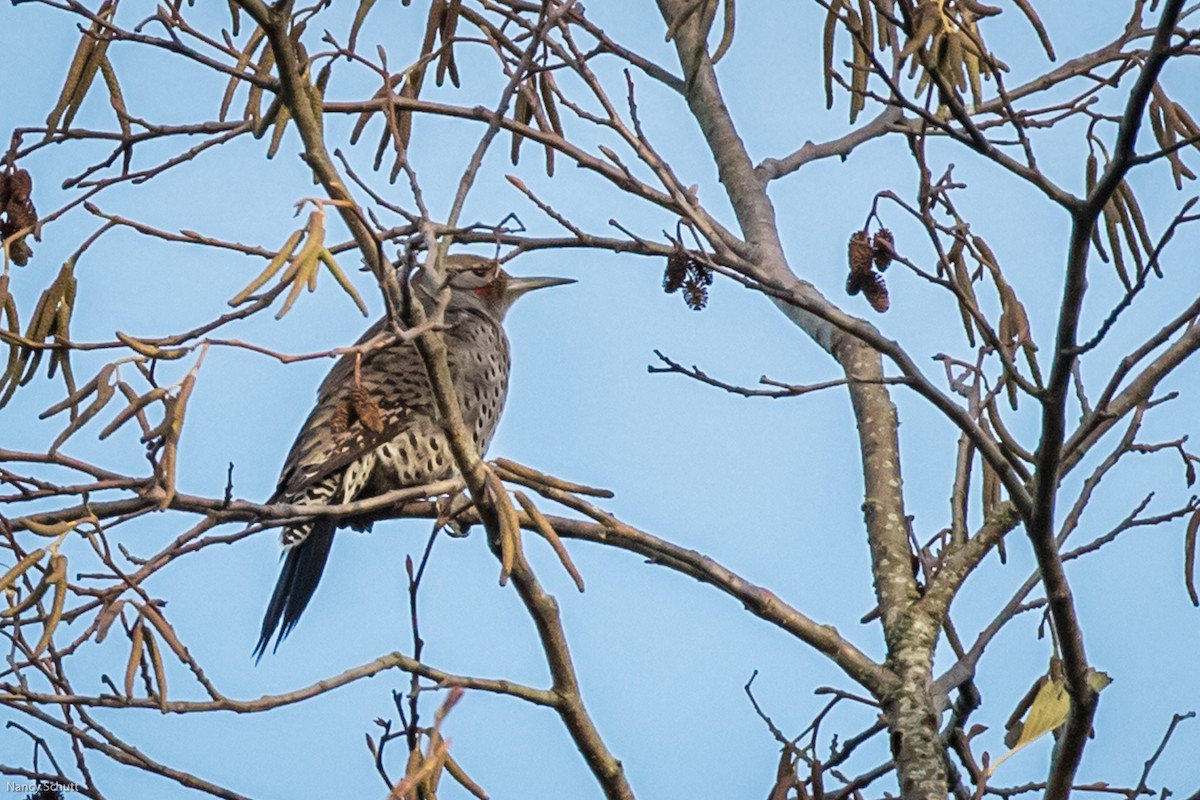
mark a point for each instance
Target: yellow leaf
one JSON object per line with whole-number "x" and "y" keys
{"x": 1098, "y": 680}
{"x": 1048, "y": 711}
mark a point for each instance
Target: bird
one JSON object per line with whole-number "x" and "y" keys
{"x": 375, "y": 426}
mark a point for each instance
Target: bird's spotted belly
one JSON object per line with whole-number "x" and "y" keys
{"x": 418, "y": 455}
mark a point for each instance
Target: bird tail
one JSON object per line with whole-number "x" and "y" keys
{"x": 303, "y": 564}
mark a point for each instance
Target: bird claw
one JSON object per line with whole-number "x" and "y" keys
{"x": 450, "y": 509}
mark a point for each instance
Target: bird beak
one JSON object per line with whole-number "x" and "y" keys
{"x": 519, "y": 286}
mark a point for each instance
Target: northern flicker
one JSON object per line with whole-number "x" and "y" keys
{"x": 375, "y": 426}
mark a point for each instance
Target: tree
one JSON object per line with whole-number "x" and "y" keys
{"x": 1038, "y": 258}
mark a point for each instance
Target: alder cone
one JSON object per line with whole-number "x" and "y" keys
{"x": 20, "y": 215}
{"x": 685, "y": 272}
{"x": 675, "y": 273}
{"x": 18, "y": 211}
{"x": 20, "y": 253}
{"x": 865, "y": 253}
{"x": 367, "y": 410}
{"x": 856, "y": 281}
{"x": 20, "y": 184}
{"x": 860, "y": 252}
{"x": 695, "y": 293}
{"x": 875, "y": 290}
{"x": 883, "y": 248}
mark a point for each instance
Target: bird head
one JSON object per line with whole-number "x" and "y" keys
{"x": 479, "y": 282}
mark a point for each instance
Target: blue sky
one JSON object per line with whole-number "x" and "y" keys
{"x": 771, "y": 488}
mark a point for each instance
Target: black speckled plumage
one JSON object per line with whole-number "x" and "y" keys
{"x": 340, "y": 456}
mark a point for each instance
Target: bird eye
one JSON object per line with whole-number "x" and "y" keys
{"x": 482, "y": 272}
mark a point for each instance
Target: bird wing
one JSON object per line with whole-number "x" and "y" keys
{"x": 353, "y": 416}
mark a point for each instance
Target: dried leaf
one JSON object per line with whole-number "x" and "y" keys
{"x": 785, "y": 776}
{"x": 866, "y": 24}
{"x": 150, "y": 350}
{"x": 136, "y": 649}
{"x": 236, "y": 15}
{"x": 415, "y": 75}
{"x": 884, "y": 10}
{"x": 307, "y": 261}
{"x": 160, "y": 670}
{"x": 47, "y": 320}
{"x": 58, "y": 579}
{"x": 53, "y": 530}
{"x": 75, "y": 397}
{"x": 726, "y": 32}
{"x": 253, "y": 112}
{"x": 1190, "y": 129}
{"x": 1132, "y": 240}
{"x": 282, "y": 117}
{"x": 131, "y": 410}
{"x": 548, "y": 88}
{"x": 550, "y": 535}
{"x": 1157, "y": 126}
{"x": 463, "y": 779}
{"x": 106, "y": 618}
{"x": 827, "y": 40}
{"x": 1135, "y": 213}
{"x": 446, "y": 33}
{"x": 419, "y": 769}
{"x": 116, "y": 99}
{"x": 9, "y": 578}
{"x": 974, "y": 69}
{"x": 61, "y": 330}
{"x": 83, "y": 53}
{"x": 31, "y": 599}
{"x": 82, "y": 72}
{"x": 13, "y": 325}
{"x": 174, "y": 422}
{"x": 103, "y": 391}
{"x": 542, "y": 478}
{"x": 132, "y": 396}
{"x": 1189, "y": 557}
{"x": 860, "y": 69}
{"x": 991, "y": 490}
{"x": 510, "y": 528}
{"x": 927, "y": 20}
{"x": 1111, "y": 223}
{"x": 951, "y": 56}
{"x": 522, "y": 113}
{"x": 1027, "y": 9}
{"x": 678, "y": 22}
{"x": 272, "y": 267}
{"x": 304, "y": 268}
{"x": 438, "y": 749}
{"x": 1013, "y": 319}
{"x": 339, "y": 276}
{"x": 360, "y": 16}
{"x": 966, "y": 291}
{"x": 365, "y": 117}
{"x": 1172, "y": 128}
